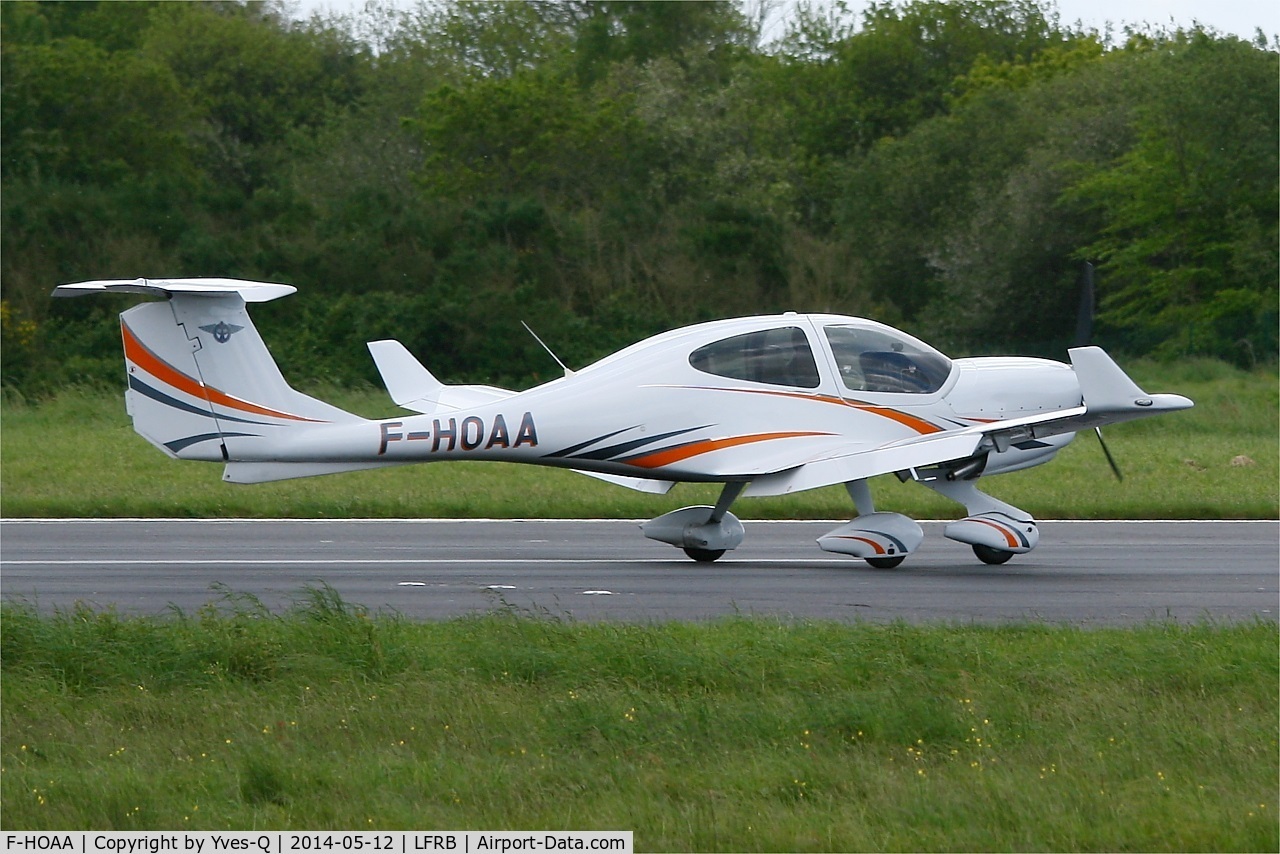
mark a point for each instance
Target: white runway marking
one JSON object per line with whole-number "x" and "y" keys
{"x": 440, "y": 561}
{"x": 110, "y": 520}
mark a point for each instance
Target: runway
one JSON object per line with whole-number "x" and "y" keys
{"x": 1083, "y": 573}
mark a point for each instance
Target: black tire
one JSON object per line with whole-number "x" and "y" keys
{"x": 995, "y": 557}
{"x": 704, "y": 555}
{"x": 886, "y": 562}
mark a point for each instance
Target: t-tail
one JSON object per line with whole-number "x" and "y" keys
{"x": 202, "y": 384}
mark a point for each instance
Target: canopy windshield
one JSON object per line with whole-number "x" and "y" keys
{"x": 886, "y": 360}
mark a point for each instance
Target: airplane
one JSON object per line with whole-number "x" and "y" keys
{"x": 765, "y": 405}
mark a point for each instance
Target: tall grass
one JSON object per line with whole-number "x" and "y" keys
{"x": 77, "y": 455}
{"x": 741, "y": 734}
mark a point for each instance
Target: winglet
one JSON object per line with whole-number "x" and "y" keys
{"x": 1108, "y": 389}
{"x": 413, "y": 387}
{"x": 407, "y": 380}
{"x": 248, "y": 291}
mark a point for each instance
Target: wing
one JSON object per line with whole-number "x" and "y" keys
{"x": 857, "y": 461}
{"x": 1109, "y": 397}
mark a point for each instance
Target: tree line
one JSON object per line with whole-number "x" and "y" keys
{"x": 606, "y": 170}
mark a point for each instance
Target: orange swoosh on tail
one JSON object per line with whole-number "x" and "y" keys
{"x": 138, "y": 353}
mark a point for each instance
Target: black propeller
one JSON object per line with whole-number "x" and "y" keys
{"x": 1115, "y": 469}
{"x": 1084, "y": 335}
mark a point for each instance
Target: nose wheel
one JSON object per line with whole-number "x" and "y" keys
{"x": 704, "y": 555}
{"x": 885, "y": 562}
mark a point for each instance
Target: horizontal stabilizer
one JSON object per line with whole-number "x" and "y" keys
{"x": 248, "y": 291}
{"x": 415, "y": 388}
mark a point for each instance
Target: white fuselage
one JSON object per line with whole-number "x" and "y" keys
{"x": 764, "y": 405}
{"x": 649, "y": 412}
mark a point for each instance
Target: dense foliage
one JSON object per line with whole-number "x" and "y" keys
{"x": 604, "y": 170}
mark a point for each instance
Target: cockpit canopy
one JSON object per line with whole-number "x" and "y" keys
{"x": 779, "y": 356}
{"x": 875, "y": 359}
{"x": 886, "y": 360}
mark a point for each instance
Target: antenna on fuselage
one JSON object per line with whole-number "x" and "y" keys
{"x": 550, "y": 352}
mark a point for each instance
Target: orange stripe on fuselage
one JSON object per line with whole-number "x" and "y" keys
{"x": 138, "y": 353}
{"x": 658, "y": 459}
{"x": 917, "y": 424}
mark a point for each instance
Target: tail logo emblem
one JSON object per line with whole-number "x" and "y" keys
{"x": 222, "y": 331}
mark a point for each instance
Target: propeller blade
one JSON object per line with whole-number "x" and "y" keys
{"x": 1115, "y": 469}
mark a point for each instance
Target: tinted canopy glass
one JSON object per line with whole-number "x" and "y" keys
{"x": 780, "y": 356}
{"x": 885, "y": 360}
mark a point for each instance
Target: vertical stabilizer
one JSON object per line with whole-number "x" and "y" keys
{"x": 202, "y": 384}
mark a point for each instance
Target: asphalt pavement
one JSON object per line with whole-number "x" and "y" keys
{"x": 1083, "y": 573}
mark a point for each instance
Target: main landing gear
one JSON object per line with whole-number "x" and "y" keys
{"x": 704, "y": 533}
{"x": 883, "y": 540}
{"x": 996, "y": 531}
{"x": 987, "y": 554}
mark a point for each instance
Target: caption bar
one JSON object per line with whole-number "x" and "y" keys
{"x": 324, "y": 842}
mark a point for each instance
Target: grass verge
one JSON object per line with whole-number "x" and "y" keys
{"x": 740, "y": 734}
{"x": 76, "y": 455}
